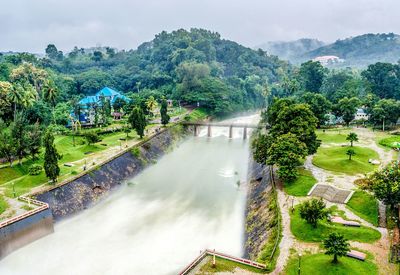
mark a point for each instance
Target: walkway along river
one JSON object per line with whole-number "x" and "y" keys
{"x": 192, "y": 199}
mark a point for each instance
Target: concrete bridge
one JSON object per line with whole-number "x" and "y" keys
{"x": 209, "y": 125}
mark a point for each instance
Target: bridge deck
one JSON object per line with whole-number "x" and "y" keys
{"x": 216, "y": 124}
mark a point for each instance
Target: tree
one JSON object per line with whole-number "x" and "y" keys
{"x": 336, "y": 245}
{"x": 385, "y": 184}
{"x": 260, "y": 146}
{"x": 7, "y": 144}
{"x": 50, "y": 93}
{"x": 350, "y": 153}
{"x": 164, "y": 112}
{"x": 286, "y": 151}
{"x": 385, "y": 111}
{"x": 383, "y": 79}
{"x": 20, "y": 136}
{"x": 51, "y": 157}
{"x": 352, "y": 137}
{"x": 97, "y": 56}
{"x": 137, "y": 119}
{"x": 151, "y": 104}
{"x": 346, "y": 108}
{"x": 313, "y": 210}
{"x": 92, "y": 137}
{"x": 299, "y": 120}
{"x": 34, "y": 140}
{"x": 16, "y": 96}
{"x": 119, "y": 104}
{"x": 53, "y": 53}
{"x": 312, "y": 75}
{"x": 319, "y": 105}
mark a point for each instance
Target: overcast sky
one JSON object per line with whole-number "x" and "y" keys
{"x": 29, "y": 25}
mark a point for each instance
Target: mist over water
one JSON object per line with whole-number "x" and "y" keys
{"x": 192, "y": 199}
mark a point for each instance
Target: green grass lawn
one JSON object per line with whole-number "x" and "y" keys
{"x": 333, "y": 136}
{"x": 321, "y": 264}
{"x": 390, "y": 142}
{"x": 335, "y": 159}
{"x": 305, "y": 232}
{"x": 3, "y": 205}
{"x": 365, "y": 206}
{"x": 197, "y": 114}
{"x": 223, "y": 265}
{"x": 301, "y": 185}
{"x": 23, "y": 182}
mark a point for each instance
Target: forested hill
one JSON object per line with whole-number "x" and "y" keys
{"x": 291, "y": 50}
{"x": 193, "y": 66}
{"x": 362, "y": 50}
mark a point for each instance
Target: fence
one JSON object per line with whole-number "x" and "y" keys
{"x": 42, "y": 206}
{"x": 220, "y": 255}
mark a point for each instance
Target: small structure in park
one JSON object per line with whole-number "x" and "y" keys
{"x": 330, "y": 193}
{"x": 88, "y": 106}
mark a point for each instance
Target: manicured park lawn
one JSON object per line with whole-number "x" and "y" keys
{"x": 335, "y": 159}
{"x": 305, "y": 232}
{"x": 365, "y": 206}
{"x": 3, "y": 205}
{"x": 390, "y": 142}
{"x": 23, "y": 182}
{"x": 333, "y": 136}
{"x": 301, "y": 185}
{"x": 197, "y": 114}
{"x": 321, "y": 264}
{"x": 223, "y": 265}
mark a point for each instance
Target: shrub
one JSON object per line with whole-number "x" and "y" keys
{"x": 35, "y": 169}
{"x": 92, "y": 137}
{"x": 313, "y": 210}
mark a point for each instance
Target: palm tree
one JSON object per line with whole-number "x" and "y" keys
{"x": 151, "y": 104}
{"x": 16, "y": 96}
{"x": 50, "y": 93}
{"x": 350, "y": 153}
{"x": 29, "y": 96}
{"x": 352, "y": 137}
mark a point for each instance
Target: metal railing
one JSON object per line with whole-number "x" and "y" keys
{"x": 42, "y": 206}
{"x": 206, "y": 252}
{"x": 271, "y": 170}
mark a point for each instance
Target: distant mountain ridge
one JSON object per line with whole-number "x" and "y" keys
{"x": 361, "y": 50}
{"x": 358, "y": 51}
{"x": 291, "y": 49}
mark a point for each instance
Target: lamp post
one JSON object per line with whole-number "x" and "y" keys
{"x": 299, "y": 263}
{"x": 13, "y": 189}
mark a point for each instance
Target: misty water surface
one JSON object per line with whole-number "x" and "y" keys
{"x": 157, "y": 222}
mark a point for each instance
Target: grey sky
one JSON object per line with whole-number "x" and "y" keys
{"x": 29, "y": 25}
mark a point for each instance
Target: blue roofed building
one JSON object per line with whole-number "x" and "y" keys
{"x": 88, "y": 105}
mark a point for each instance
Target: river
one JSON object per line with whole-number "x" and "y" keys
{"x": 156, "y": 223}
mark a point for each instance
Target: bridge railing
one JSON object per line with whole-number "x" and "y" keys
{"x": 217, "y": 124}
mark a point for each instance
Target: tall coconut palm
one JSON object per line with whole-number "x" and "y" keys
{"x": 30, "y": 95}
{"x": 50, "y": 93}
{"x": 151, "y": 104}
{"x": 16, "y": 96}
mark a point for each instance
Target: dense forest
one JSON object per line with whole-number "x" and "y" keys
{"x": 196, "y": 67}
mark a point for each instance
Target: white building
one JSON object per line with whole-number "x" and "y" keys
{"x": 361, "y": 115}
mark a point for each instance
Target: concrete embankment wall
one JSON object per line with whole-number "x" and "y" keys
{"x": 25, "y": 231}
{"x": 259, "y": 216}
{"x": 88, "y": 189}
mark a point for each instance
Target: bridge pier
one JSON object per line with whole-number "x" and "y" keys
{"x": 230, "y": 131}
{"x": 196, "y": 131}
{"x": 209, "y": 131}
{"x": 245, "y": 132}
